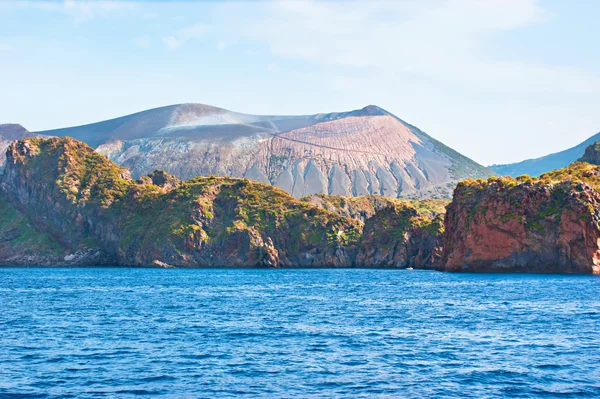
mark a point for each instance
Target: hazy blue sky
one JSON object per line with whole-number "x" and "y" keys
{"x": 498, "y": 80}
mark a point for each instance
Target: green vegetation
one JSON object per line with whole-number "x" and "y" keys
{"x": 369, "y": 204}
{"x": 548, "y": 196}
{"x": 210, "y": 209}
{"x": 19, "y": 237}
{"x": 389, "y": 218}
{"x": 577, "y": 172}
{"x": 592, "y": 154}
{"x": 80, "y": 173}
{"x": 160, "y": 217}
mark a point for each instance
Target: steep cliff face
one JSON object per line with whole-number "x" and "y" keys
{"x": 402, "y": 236}
{"x": 21, "y": 242}
{"x": 85, "y": 202}
{"x": 62, "y": 203}
{"x": 397, "y": 233}
{"x": 591, "y": 154}
{"x": 362, "y": 152}
{"x": 66, "y": 189}
{"x": 549, "y": 224}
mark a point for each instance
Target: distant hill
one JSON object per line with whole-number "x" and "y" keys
{"x": 361, "y": 152}
{"x": 538, "y": 166}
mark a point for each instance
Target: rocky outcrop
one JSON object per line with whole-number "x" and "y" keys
{"x": 66, "y": 190}
{"x": 10, "y": 132}
{"x": 161, "y": 179}
{"x": 63, "y": 204}
{"x": 397, "y": 233}
{"x": 591, "y": 154}
{"x": 85, "y": 203}
{"x": 362, "y": 152}
{"x": 401, "y": 237}
{"x": 84, "y": 209}
{"x": 22, "y": 244}
{"x": 550, "y": 225}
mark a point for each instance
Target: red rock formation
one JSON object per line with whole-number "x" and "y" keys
{"x": 502, "y": 226}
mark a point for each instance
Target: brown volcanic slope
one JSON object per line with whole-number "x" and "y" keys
{"x": 367, "y": 151}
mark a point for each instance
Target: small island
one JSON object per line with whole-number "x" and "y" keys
{"x": 64, "y": 204}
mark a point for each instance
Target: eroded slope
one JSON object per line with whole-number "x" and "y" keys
{"x": 361, "y": 152}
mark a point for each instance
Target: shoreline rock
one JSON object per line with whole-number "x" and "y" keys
{"x": 502, "y": 225}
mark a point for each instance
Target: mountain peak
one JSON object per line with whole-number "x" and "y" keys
{"x": 352, "y": 153}
{"x": 373, "y": 110}
{"x": 13, "y": 131}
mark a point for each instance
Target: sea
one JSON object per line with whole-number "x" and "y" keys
{"x": 300, "y": 333}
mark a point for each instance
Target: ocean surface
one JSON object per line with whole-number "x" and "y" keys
{"x": 110, "y": 332}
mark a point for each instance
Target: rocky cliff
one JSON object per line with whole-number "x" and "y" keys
{"x": 356, "y": 153}
{"x": 80, "y": 206}
{"x": 396, "y": 233}
{"x": 82, "y": 200}
{"x": 62, "y": 203}
{"x": 550, "y": 224}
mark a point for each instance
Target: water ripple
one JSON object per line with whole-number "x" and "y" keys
{"x": 131, "y": 333}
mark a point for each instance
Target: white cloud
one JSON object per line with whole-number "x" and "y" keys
{"x": 437, "y": 40}
{"x": 182, "y": 36}
{"x": 435, "y": 55}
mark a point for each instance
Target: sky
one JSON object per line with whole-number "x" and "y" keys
{"x": 498, "y": 80}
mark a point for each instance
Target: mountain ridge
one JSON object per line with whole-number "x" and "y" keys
{"x": 546, "y": 163}
{"x": 360, "y": 152}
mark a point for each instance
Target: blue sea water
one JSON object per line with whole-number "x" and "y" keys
{"x": 94, "y": 333}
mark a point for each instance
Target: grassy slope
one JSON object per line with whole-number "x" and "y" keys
{"x": 209, "y": 209}
{"x": 401, "y": 214}
{"x": 372, "y": 203}
{"x": 19, "y": 237}
{"x": 578, "y": 172}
